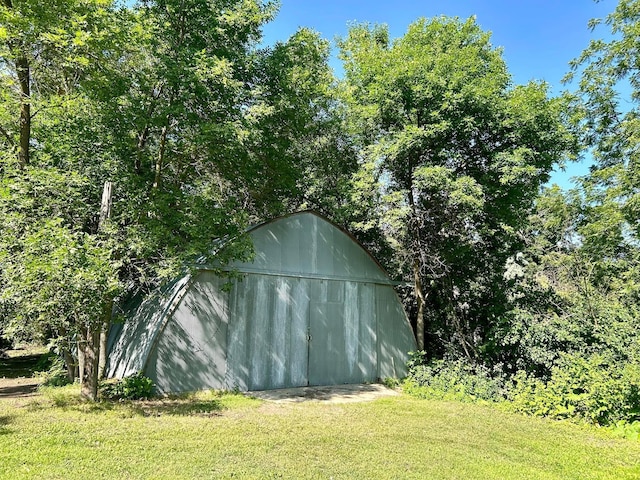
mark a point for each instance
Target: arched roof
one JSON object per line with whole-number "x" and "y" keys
{"x": 308, "y": 245}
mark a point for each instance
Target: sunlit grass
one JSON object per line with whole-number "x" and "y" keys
{"x": 215, "y": 435}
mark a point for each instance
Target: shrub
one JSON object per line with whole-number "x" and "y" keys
{"x": 134, "y": 387}
{"x": 630, "y": 430}
{"x": 452, "y": 380}
{"x": 417, "y": 359}
{"x": 52, "y": 370}
{"x": 594, "y": 389}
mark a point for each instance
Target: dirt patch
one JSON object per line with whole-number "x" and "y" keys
{"x": 328, "y": 394}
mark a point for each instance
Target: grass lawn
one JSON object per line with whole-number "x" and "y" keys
{"x": 209, "y": 435}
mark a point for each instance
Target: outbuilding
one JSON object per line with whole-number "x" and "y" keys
{"x": 312, "y": 308}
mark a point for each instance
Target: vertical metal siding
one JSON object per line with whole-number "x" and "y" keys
{"x": 395, "y": 337}
{"x": 299, "y": 351}
{"x": 191, "y": 351}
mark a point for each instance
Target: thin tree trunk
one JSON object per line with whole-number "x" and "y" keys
{"x": 105, "y": 213}
{"x": 421, "y": 300}
{"x": 80, "y": 361}
{"x": 144, "y": 135}
{"x": 102, "y": 359}
{"x": 105, "y": 204}
{"x": 417, "y": 276}
{"x": 69, "y": 361}
{"x": 160, "y": 159}
{"x": 142, "y": 141}
{"x": 104, "y": 336}
{"x": 23, "y": 72}
{"x": 90, "y": 348}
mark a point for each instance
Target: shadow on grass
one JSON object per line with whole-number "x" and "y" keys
{"x": 20, "y": 390}
{"x": 202, "y": 404}
{"x": 20, "y": 366}
{"x": 4, "y": 421}
{"x": 180, "y": 406}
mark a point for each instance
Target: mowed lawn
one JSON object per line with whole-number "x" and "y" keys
{"x": 211, "y": 435}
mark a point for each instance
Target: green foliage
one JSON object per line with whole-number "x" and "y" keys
{"x": 593, "y": 389}
{"x": 55, "y": 374}
{"x": 458, "y": 154}
{"x": 391, "y": 382}
{"x": 133, "y": 387}
{"x": 452, "y": 380}
{"x": 56, "y": 281}
{"x": 417, "y": 359}
{"x": 630, "y": 430}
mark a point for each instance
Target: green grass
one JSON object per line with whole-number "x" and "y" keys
{"x": 212, "y": 435}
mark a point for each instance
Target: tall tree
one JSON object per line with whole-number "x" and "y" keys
{"x": 608, "y": 101}
{"x": 582, "y": 279}
{"x": 42, "y": 47}
{"x": 47, "y": 49}
{"x": 460, "y": 155}
{"x": 299, "y": 152}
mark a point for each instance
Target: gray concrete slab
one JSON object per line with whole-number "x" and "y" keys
{"x": 329, "y": 394}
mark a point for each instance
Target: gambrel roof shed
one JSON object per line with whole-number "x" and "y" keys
{"x": 312, "y": 308}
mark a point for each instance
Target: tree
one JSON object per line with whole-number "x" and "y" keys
{"x": 165, "y": 184}
{"x": 611, "y": 123}
{"x": 460, "y": 154}
{"x": 300, "y": 155}
{"x": 576, "y": 285}
{"x": 607, "y": 103}
{"x": 47, "y": 221}
{"x": 42, "y": 50}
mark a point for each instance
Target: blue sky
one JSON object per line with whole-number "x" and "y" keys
{"x": 538, "y": 37}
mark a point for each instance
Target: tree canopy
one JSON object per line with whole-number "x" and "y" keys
{"x": 460, "y": 154}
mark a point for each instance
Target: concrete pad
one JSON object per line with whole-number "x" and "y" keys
{"x": 329, "y": 394}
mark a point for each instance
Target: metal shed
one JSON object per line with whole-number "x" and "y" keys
{"x": 313, "y": 308}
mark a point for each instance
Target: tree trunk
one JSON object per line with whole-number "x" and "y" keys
{"x": 105, "y": 204}
{"x": 80, "y": 361}
{"x": 102, "y": 359}
{"x": 160, "y": 159}
{"x": 104, "y": 336}
{"x": 105, "y": 213}
{"x": 23, "y": 72}
{"x": 70, "y": 362}
{"x": 89, "y": 350}
{"x": 417, "y": 278}
{"x": 142, "y": 141}
{"x": 420, "y": 299}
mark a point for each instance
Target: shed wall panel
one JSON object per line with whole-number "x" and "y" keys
{"x": 273, "y": 322}
{"x": 130, "y": 350}
{"x": 299, "y": 350}
{"x": 395, "y": 337}
{"x": 190, "y": 353}
{"x": 367, "y": 351}
{"x": 343, "y": 332}
{"x": 309, "y": 245}
{"x": 238, "y": 341}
